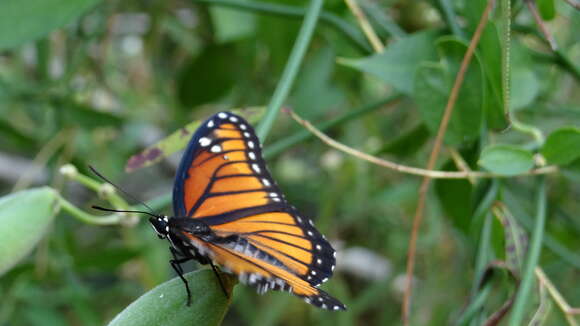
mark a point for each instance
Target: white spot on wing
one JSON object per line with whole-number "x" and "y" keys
{"x": 223, "y": 115}
{"x": 318, "y": 247}
{"x": 256, "y": 168}
{"x": 204, "y": 141}
{"x": 210, "y": 124}
{"x": 233, "y": 119}
{"x": 251, "y": 144}
{"x": 251, "y": 155}
{"x": 216, "y": 149}
{"x": 266, "y": 182}
{"x": 243, "y": 126}
{"x": 247, "y": 134}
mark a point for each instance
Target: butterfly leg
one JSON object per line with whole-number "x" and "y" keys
{"x": 176, "y": 265}
{"x": 217, "y": 274}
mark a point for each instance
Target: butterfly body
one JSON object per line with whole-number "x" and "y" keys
{"x": 229, "y": 211}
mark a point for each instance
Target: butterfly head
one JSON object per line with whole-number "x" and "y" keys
{"x": 160, "y": 224}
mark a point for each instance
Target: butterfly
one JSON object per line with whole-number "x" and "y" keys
{"x": 230, "y": 212}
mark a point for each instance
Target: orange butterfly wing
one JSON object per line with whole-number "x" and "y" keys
{"x": 223, "y": 181}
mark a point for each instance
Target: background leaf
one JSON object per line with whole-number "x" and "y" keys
{"x": 562, "y": 146}
{"x": 397, "y": 64}
{"x": 24, "y": 218}
{"x": 433, "y": 83}
{"x": 506, "y": 159}
{"x": 25, "y": 21}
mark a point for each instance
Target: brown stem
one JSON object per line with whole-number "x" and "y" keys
{"x": 534, "y": 10}
{"x": 433, "y": 158}
{"x": 435, "y": 174}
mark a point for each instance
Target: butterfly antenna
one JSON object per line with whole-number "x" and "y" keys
{"x": 122, "y": 210}
{"x": 128, "y": 195}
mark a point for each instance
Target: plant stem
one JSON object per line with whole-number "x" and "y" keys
{"x": 79, "y": 214}
{"x": 523, "y": 295}
{"x": 291, "y": 69}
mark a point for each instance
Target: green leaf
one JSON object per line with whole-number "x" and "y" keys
{"x": 524, "y": 84}
{"x": 28, "y": 20}
{"x": 166, "y": 303}
{"x": 455, "y": 198}
{"x": 24, "y": 218}
{"x": 506, "y": 159}
{"x": 562, "y": 146}
{"x": 547, "y": 9}
{"x": 489, "y": 50}
{"x": 398, "y": 63}
{"x": 179, "y": 139}
{"x": 433, "y": 84}
{"x": 516, "y": 239}
{"x": 232, "y": 24}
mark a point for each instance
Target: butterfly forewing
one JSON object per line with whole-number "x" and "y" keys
{"x": 223, "y": 181}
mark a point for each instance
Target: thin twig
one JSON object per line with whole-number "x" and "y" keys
{"x": 532, "y": 7}
{"x": 433, "y": 157}
{"x": 558, "y": 298}
{"x": 435, "y": 174}
{"x": 461, "y": 164}
{"x": 365, "y": 25}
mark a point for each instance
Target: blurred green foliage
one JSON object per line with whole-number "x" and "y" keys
{"x": 97, "y": 82}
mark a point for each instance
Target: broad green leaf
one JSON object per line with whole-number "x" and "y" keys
{"x": 433, "y": 84}
{"x": 524, "y": 84}
{"x": 506, "y": 159}
{"x": 28, "y": 20}
{"x": 562, "y": 146}
{"x": 398, "y": 63}
{"x": 547, "y": 9}
{"x": 472, "y": 12}
{"x": 455, "y": 198}
{"x": 489, "y": 50}
{"x": 166, "y": 304}
{"x": 24, "y": 218}
{"x": 179, "y": 139}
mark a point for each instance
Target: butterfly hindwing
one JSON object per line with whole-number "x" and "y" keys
{"x": 223, "y": 181}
